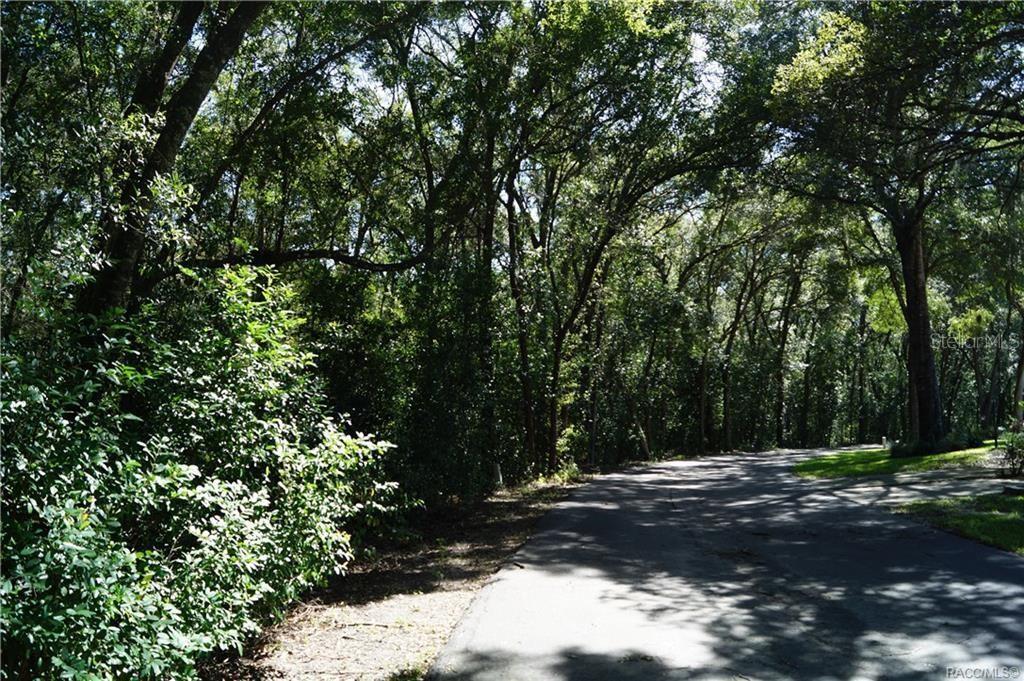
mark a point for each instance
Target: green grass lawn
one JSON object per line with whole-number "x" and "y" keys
{"x": 995, "y": 519}
{"x": 879, "y": 462}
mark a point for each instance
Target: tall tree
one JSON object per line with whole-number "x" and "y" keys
{"x": 881, "y": 105}
{"x": 124, "y": 222}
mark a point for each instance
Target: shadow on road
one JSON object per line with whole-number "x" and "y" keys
{"x": 736, "y": 568}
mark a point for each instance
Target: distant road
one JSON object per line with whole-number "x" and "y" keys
{"x": 732, "y": 568}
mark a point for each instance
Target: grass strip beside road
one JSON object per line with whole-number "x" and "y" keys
{"x": 993, "y": 519}
{"x": 880, "y": 462}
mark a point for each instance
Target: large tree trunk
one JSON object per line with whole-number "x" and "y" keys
{"x": 485, "y": 317}
{"x": 925, "y": 399}
{"x": 645, "y": 446}
{"x": 594, "y": 384}
{"x": 152, "y": 81}
{"x": 526, "y": 400}
{"x": 553, "y": 395}
{"x": 805, "y": 405}
{"x": 780, "y": 358}
{"x": 560, "y": 333}
{"x": 862, "y": 333}
{"x": 125, "y": 224}
{"x": 640, "y": 398}
{"x": 741, "y": 306}
{"x": 727, "y": 403}
{"x": 913, "y": 413}
{"x": 703, "y": 404}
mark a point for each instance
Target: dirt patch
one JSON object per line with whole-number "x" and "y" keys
{"x": 389, "y": 617}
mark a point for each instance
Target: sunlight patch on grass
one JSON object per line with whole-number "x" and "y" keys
{"x": 994, "y": 519}
{"x": 879, "y": 462}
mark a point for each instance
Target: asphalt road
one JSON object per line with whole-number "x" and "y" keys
{"x": 730, "y": 567}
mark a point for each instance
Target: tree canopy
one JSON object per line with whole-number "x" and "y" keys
{"x": 524, "y": 237}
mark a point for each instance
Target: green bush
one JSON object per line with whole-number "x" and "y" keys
{"x": 169, "y": 484}
{"x": 1013, "y": 453}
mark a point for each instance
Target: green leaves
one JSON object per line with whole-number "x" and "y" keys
{"x": 835, "y": 52}
{"x": 135, "y": 542}
{"x": 513, "y": 234}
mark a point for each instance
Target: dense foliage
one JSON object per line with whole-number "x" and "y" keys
{"x": 506, "y": 237}
{"x": 170, "y": 481}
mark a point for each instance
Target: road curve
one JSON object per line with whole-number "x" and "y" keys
{"x": 730, "y": 567}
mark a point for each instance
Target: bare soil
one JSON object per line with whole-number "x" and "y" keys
{"x": 387, "y": 619}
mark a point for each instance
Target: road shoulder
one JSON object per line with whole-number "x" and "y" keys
{"x": 389, "y": 617}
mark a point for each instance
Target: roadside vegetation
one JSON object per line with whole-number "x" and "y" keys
{"x": 994, "y": 519}
{"x": 390, "y": 615}
{"x": 879, "y": 461}
{"x": 279, "y": 279}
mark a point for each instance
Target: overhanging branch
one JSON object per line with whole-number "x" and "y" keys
{"x": 282, "y": 257}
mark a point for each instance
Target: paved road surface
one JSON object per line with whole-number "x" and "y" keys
{"x": 730, "y": 567}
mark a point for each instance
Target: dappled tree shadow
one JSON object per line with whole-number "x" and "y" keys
{"x": 759, "y": 574}
{"x": 448, "y": 547}
{"x": 571, "y": 664}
